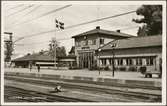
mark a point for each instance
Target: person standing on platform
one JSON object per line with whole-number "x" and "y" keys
{"x": 30, "y": 67}
{"x": 38, "y": 68}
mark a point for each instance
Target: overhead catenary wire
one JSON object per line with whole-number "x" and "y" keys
{"x": 42, "y": 15}
{"x": 14, "y": 13}
{"x": 72, "y": 26}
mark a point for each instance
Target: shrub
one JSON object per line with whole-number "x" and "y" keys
{"x": 122, "y": 68}
{"x": 93, "y": 68}
{"x": 143, "y": 69}
{"x": 73, "y": 67}
{"x": 132, "y": 68}
{"x": 106, "y": 68}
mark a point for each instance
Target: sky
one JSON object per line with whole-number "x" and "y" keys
{"x": 14, "y": 16}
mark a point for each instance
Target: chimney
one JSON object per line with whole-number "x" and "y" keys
{"x": 98, "y": 27}
{"x": 118, "y": 31}
{"x": 10, "y": 37}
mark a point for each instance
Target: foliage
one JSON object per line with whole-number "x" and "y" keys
{"x": 122, "y": 68}
{"x": 74, "y": 67}
{"x": 8, "y": 51}
{"x": 106, "y": 68}
{"x": 143, "y": 69}
{"x": 54, "y": 48}
{"x": 132, "y": 68}
{"x": 152, "y": 18}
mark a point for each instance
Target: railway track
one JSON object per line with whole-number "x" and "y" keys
{"x": 32, "y": 96}
{"x": 127, "y": 94}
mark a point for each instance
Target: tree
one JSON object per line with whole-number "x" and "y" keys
{"x": 8, "y": 50}
{"x": 152, "y": 18}
{"x": 54, "y": 45}
{"x": 61, "y": 51}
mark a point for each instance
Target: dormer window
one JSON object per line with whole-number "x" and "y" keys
{"x": 94, "y": 42}
{"x": 86, "y": 42}
{"x": 85, "y": 37}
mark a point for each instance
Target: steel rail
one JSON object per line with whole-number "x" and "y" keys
{"x": 47, "y": 97}
{"x": 128, "y": 94}
{"x": 82, "y": 81}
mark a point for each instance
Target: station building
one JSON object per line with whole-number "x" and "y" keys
{"x": 99, "y": 48}
{"x": 44, "y": 60}
{"x": 132, "y": 53}
{"x": 88, "y": 42}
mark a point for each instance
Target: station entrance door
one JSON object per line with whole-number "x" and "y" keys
{"x": 86, "y": 60}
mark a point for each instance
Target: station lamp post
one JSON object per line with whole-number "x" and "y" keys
{"x": 99, "y": 50}
{"x": 113, "y": 63}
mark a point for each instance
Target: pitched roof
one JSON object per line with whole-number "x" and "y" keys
{"x": 102, "y": 31}
{"x": 134, "y": 42}
{"x": 37, "y": 57}
{"x": 41, "y": 57}
{"x": 72, "y": 50}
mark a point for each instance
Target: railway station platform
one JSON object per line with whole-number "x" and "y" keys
{"x": 92, "y": 76}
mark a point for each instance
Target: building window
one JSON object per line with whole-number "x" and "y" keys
{"x": 115, "y": 62}
{"x": 90, "y": 42}
{"x": 77, "y": 44}
{"x": 94, "y": 42}
{"x": 140, "y": 61}
{"x": 129, "y": 61}
{"x": 120, "y": 61}
{"x": 110, "y": 61}
{"x": 150, "y": 61}
{"x": 101, "y": 41}
{"x": 103, "y": 61}
{"x": 137, "y": 62}
{"x": 86, "y": 42}
{"x": 147, "y": 61}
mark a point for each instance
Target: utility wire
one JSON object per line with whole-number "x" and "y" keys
{"x": 101, "y": 19}
{"x": 72, "y": 26}
{"x": 16, "y": 21}
{"x": 70, "y": 37}
{"x": 127, "y": 28}
{"x": 20, "y": 44}
{"x": 27, "y": 7}
{"x": 35, "y": 8}
{"x": 42, "y": 15}
{"x": 15, "y": 7}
